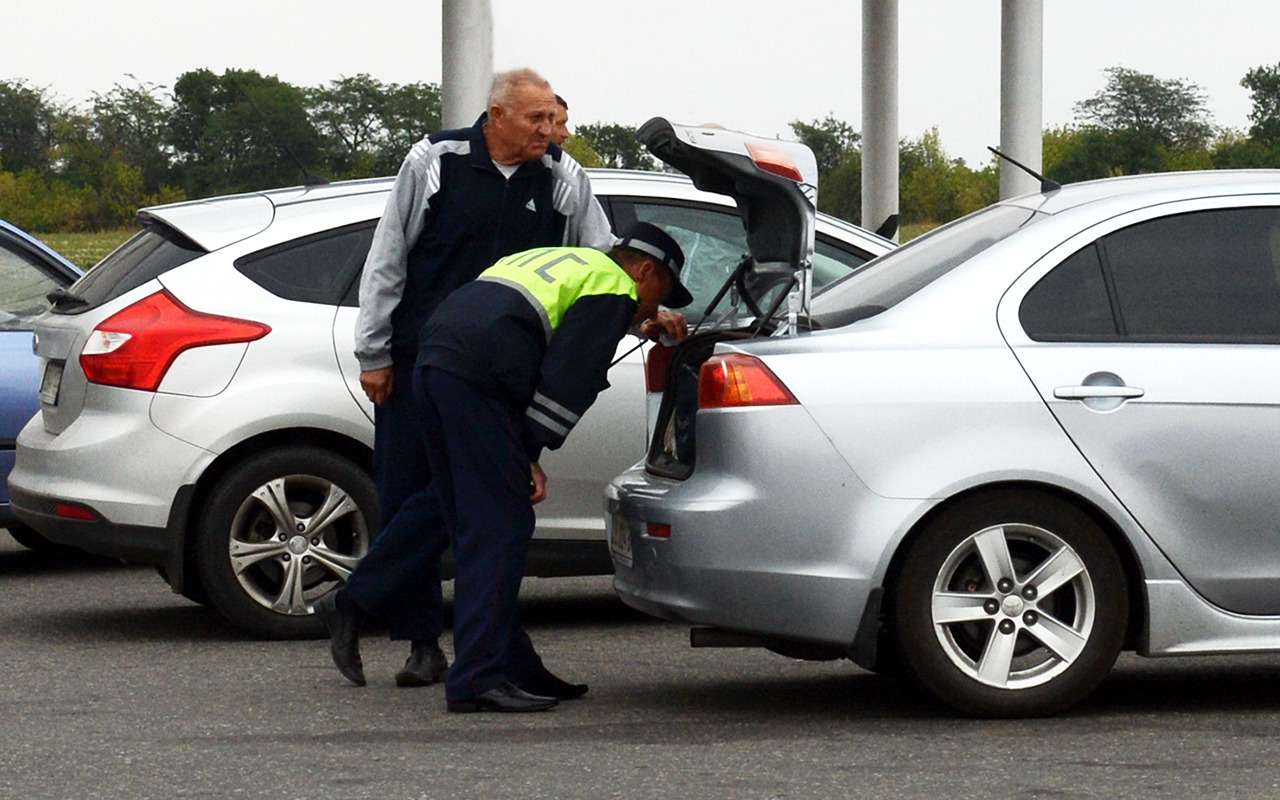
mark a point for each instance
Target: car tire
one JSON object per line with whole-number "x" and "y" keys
{"x": 34, "y": 541}
{"x": 1028, "y": 644}
{"x": 280, "y": 531}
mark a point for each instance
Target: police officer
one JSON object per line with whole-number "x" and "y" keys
{"x": 462, "y": 199}
{"x": 507, "y": 366}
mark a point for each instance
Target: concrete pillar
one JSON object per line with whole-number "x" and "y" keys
{"x": 1021, "y": 86}
{"x": 879, "y": 111}
{"x": 467, "y": 53}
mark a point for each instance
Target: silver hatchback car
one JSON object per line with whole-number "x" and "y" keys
{"x": 201, "y": 407}
{"x": 993, "y": 458}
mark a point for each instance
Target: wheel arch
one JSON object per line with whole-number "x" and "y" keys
{"x": 1129, "y": 561}
{"x": 356, "y": 451}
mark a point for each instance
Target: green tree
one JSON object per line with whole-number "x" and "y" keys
{"x": 934, "y": 187}
{"x": 410, "y": 112}
{"x": 133, "y": 123}
{"x": 835, "y": 146}
{"x": 347, "y": 113}
{"x": 580, "y": 150}
{"x": 241, "y": 131}
{"x": 1170, "y": 112}
{"x": 27, "y": 116}
{"x": 1263, "y": 84}
{"x": 830, "y": 139}
{"x": 616, "y": 145}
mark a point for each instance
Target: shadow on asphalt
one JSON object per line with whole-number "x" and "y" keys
{"x": 578, "y": 611}
{"x": 33, "y": 564}
{"x": 1164, "y": 685}
{"x": 185, "y": 623}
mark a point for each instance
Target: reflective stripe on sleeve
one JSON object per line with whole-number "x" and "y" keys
{"x": 547, "y": 422}
{"x": 547, "y": 404}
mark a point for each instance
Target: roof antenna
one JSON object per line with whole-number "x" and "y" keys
{"x": 1046, "y": 185}
{"x": 308, "y": 177}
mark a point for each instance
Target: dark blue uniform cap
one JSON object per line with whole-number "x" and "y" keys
{"x": 652, "y": 241}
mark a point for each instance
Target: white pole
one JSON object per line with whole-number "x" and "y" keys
{"x": 1021, "y": 86}
{"x": 467, "y": 55}
{"x": 879, "y": 111}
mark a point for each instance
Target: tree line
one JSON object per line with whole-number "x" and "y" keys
{"x": 89, "y": 166}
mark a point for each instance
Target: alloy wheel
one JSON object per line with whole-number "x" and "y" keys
{"x": 1013, "y": 606}
{"x": 293, "y": 540}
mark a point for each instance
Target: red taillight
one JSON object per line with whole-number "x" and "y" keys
{"x": 656, "y": 365}
{"x": 657, "y": 530}
{"x": 74, "y": 511}
{"x": 735, "y": 380}
{"x": 135, "y": 347}
{"x": 771, "y": 159}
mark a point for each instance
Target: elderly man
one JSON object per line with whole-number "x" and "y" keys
{"x": 462, "y": 200}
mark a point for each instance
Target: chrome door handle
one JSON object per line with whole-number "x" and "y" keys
{"x": 1091, "y": 392}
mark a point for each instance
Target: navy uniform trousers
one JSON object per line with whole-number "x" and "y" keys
{"x": 480, "y": 476}
{"x": 398, "y": 581}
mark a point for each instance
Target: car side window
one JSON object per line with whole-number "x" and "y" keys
{"x": 713, "y": 243}
{"x": 320, "y": 268}
{"x": 24, "y": 282}
{"x": 831, "y": 262}
{"x": 1205, "y": 276}
{"x": 1070, "y": 304}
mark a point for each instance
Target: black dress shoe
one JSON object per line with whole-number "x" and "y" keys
{"x": 507, "y": 698}
{"x": 426, "y": 665}
{"x": 547, "y": 684}
{"x": 343, "y": 623}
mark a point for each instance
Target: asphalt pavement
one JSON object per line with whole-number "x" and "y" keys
{"x": 112, "y": 687}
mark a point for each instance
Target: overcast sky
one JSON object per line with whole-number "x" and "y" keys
{"x": 745, "y": 64}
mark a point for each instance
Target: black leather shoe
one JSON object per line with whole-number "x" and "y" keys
{"x": 426, "y": 665}
{"x": 547, "y": 684}
{"x": 507, "y": 698}
{"x": 344, "y": 637}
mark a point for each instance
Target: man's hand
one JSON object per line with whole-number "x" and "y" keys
{"x": 672, "y": 323}
{"x": 539, "y": 480}
{"x": 377, "y": 384}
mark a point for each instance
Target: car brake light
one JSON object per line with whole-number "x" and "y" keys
{"x": 657, "y": 363}
{"x": 135, "y": 347}
{"x": 735, "y": 380}
{"x": 771, "y": 159}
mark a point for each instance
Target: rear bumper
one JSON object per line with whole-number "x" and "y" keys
{"x": 772, "y": 534}
{"x": 162, "y": 546}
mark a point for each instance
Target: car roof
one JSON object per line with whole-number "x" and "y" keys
{"x": 1157, "y": 188}
{"x": 36, "y": 244}
{"x": 216, "y": 222}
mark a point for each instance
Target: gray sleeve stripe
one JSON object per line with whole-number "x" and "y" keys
{"x": 547, "y": 422}
{"x": 547, "y": 404}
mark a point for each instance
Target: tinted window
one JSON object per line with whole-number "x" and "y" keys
{"x": 714, "y": 241}
{"x": 316, "y": 269}
{"x": 895, "y": 276}
{"x": 146, "y": 256}
{"x": 1070, "y": 304}
{"x": 24, "y": 282}
{"x": 1204, "y": 276}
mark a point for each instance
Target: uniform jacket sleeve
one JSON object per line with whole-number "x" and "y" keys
{"x": 575, "y": 368}
{"x": 383, "y": 279}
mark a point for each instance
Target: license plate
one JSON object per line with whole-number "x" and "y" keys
{"x": 51, "y": 382}
{"x": 620, "y": 539}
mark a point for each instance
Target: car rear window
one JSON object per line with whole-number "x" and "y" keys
{"x": 319, "y": 268}
{"x": 150, "y": 253}
{"x": 888, "y": 280}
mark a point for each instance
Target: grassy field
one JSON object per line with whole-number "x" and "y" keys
{"x": 85, "y": 249}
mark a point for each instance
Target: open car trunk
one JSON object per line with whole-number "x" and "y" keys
{"x": 775, "y": 187}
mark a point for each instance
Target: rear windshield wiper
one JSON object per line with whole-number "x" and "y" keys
{"x": 61, "y": 298}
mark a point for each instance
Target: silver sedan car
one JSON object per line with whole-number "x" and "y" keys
{"x": 993, "y": 458}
